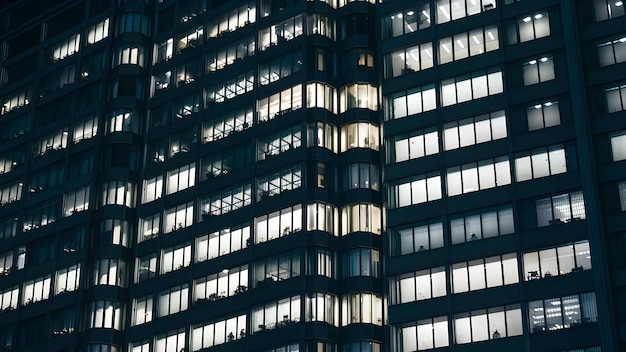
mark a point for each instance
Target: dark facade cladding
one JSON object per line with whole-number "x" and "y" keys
{"x": 319, "y": 176}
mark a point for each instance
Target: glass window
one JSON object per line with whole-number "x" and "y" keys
{"x": 606, "y": 9}
{"x": 284, "y": 141}
{"x": 152, "y": 189}
{"x": 471, "y": 43}
{"x": 36, "y": 290}
{"x": 450, "y": 10}
{"x": 76, "y": 201}
{"x": 9, "y": 298}
{"x": 422, "y": 335}
{"x": 321, "y": 262}
{"x": 49, "y": 143}
{"x": 478, "y": 176}
{"x": 363, "y": 308}
{"x": 98, "y": 32}
{"x": 226, "y": 283}
{"x": 172, "y": 341}
{"x": 485, "y": 324}
{"x": 228, "y": 124}
{"x": 230, "y": 88}
{"x": 181, "y": 178}
{"x": 359, "y": 135}
{"x": 410, "y": 102}
{"x": 474, "y": 130}
{"x": 16, "y": 99}
{"x": 278, "y": 224}
{"x": 361, "y": 262}
{"x": 540, "y": 162}
{"x": 469, "y": 87}
{"x": 115, "y": 231}
{"x": 560, "y": 208}
{"x": 418, "y": 285}
{"x": 173, "y": 300}
{"x": 321, "y": 95}
{"x": 276, "y": 268}
{"x": 322, "y": 307}
{"x": 416, "y": 238}
{"x": 278, "y": 182}
{"x": 406, "y": 21}
{"x": 483, "y": 223}
{"x": 361, "y": 175}
{"x": 222, "y": 242}
{"x": 234, "y": 19}
{"x": 105, "y": 314}
{"x": 67, "y": 47}
{"x": 529, "y": 27}
{"x": 565, "y": 259}
{"x": 279, "y": 103}
{"x": 119, "y": 193}
{"x": 217, "y": 332}
{"x": 538, "y": 70}
{"x": 361, "y": 217}
{"x": 110, "y": 272}
{"x": 615, "y": 98}
{"x": 142, "y": 310}
{"x": 178, "y": 217}
{"x": 285, "y": 31}
{"x": 621, "y": 187}
{"x": 612, "y": 52}
{"x": 241, "y": 49}
{"x": 415, "y": 190}
{"x": 276, "y": 314}
{"x": 484, "y": 273}
{"x": 322, "y": 217}
{"x": 146, "y": 267}
{"x": 407, "y": 60}
{"x": 225, "y": 201}
{"x": 231, "y": 159}
{"x": 618, "y": 146}
{"x": 164, "y": 50}
{"x": 363, "y": 96}
{"x": 562, "y": 312}
{"x": 175, "y": 258}
{"x": 129, "y": 54}
{"x": 543, "y": 115}
{"x": 190, "y": 39}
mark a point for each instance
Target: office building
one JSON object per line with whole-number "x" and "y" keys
{"x": 319, "y": 176}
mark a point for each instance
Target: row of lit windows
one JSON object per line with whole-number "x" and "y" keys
{"x": 457, "y": 47}
{"x": 40, "y": 288}
{"x": 461, "y": 328}
{"x": 495, "y": 323}
{"x": 479, "y": 274}
{"x": 481, "y": 175}
{"x": 323, "y": 217}
{"x": 486, "y": 223}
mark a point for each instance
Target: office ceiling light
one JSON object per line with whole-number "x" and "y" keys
{"x": 538, "y": 16}
{"x": 526, "y": 19}
{"x": 619, "y": 3}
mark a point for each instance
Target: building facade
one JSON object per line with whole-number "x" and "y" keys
{"x": 320, "y": 176}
